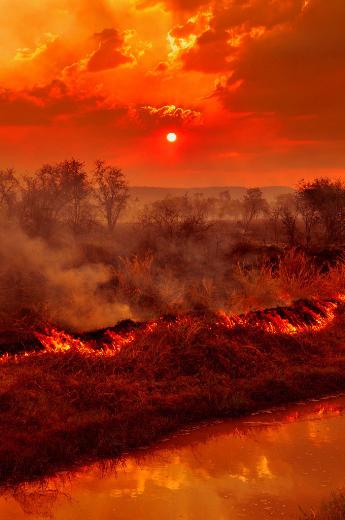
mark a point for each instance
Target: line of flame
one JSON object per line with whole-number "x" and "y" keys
{"x": 55, "y": 341}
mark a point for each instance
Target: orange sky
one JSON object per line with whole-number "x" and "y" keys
{"x": 255, "y": 89}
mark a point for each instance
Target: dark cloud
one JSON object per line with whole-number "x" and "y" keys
{"x": 110, "y": 53}
{"x": 232, "y": 25}
{"x": 210, "y": 54}
{"x": 42, "y": 105}
{"x": 55, "y": 102}
{"x": 296, "y": 72}
{"x": 254, "y": 13}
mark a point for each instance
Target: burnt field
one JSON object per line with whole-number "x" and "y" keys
{"x": 116, "y": 332}
{"x": 73, "y": 399}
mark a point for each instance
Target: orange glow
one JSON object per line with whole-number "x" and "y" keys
{"x": 101, "y": 79}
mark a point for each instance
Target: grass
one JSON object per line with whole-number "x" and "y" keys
{"x": 58, "y": 410}
{"x": 333, "y": 509}
{"x": 153, "y": 288}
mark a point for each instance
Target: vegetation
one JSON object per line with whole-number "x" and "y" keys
{"x": 111, "y": 192}
{"x": 333, "y": 509}
{"x": 60, "y": 409}
{"x": 79, "y": 254}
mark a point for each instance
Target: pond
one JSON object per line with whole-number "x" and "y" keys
{"x": 263, "y": 466}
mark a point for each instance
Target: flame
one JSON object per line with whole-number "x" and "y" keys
{"x": 303, "y": 316}
{"x": 55, "y": 341}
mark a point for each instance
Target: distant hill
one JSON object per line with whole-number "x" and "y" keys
{"x": 148, "y": 194}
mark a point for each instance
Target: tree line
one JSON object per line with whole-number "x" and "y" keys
{"x": 313, "y": 214}
{"x": 64, "y": 193}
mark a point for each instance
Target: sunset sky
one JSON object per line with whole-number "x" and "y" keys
{"x": 254, "y": 89}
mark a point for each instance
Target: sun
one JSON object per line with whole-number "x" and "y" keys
{"x": 171, "y": 137}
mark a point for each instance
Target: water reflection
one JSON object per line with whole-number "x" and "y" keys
{"x": 262, "y": 467}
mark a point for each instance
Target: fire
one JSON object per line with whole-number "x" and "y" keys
{"x": 55, "y": 341}
{"x": 303, "y": 316}
{"x": 58, "y": 341}
{"x": 109, "y": 344}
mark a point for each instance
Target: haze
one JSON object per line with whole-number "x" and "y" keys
{"x": 253, "y": 89}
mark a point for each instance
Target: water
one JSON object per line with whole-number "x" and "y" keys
{"x": 262, "y": 467}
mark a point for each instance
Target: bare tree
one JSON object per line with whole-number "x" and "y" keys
{"x": 76, "y": 190}
{"x": 177, "y": 217}
{"x": 42, "y": 200}
{"x": 53, "y": 194}
{"x": 8, "y": 189}
{"x": 253, "y": 205}
{"x": 111, "y": 192}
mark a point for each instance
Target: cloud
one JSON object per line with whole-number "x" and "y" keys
{"x": 27, "y": 54}
{"x": 267, "y": 75}
{"x": 210, "y": 54}
{"x": 296, "y": 72}
{"x": 173, "y": 5}
{"x": 254, "y": 13}
{"x": 55, "y": 101}
{"x": 166, "y": 115}
{"x": 184, "y": 36}
{"x": 110, "y": 53}
{"x": 229, "y": 27}
{"x": 114, "y": 49}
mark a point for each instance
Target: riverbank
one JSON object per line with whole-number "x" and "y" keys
{"x": 60, "y": 409}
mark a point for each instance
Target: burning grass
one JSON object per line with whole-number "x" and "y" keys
{"x": 74, "y": 399}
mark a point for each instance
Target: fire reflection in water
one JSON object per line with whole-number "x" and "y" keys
{"x": 264, "y": 466}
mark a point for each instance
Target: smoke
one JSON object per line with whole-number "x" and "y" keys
{"x": 54, "y": 283}
{"x": 142, "y": 275}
